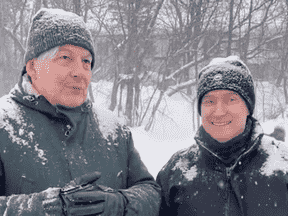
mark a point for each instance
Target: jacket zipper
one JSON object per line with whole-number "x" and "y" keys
{"x": 228, "y": 176}
{"x": 228, "y": 172}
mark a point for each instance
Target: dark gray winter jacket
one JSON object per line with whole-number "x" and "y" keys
{"x": 246, "y": 181}
{"x": 43, "y": 146}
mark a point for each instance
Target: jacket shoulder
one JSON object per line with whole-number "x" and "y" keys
{"x": 109, "y": 123}
{"x": 7, "y": 109}
{"x": 182, "y": 163}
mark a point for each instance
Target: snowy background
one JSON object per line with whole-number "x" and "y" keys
{"x": 173, "y": 128}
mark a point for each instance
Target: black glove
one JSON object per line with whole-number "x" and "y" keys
{"x": 112, "y": 202}
{"x": 83, "y": 196}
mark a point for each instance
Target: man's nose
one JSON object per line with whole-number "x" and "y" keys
{"x": 220, "y": 108}
{"x": 77, "y": 69}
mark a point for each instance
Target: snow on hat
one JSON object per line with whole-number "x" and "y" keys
{"x": 227, "y": 73}
{"x": 56, "y": 27}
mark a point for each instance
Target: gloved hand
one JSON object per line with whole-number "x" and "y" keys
{"x": 111, "y": 201}
{"x": 83, "y": 196}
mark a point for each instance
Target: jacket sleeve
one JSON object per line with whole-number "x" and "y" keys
{"x": 23, "y": 204}
{"x": 164, "y": 206}
{"x": 143, "y": 193}
{"x": 164, "y": 181}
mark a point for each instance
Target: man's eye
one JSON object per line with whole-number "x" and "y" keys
{"x": 86, "y": 61}
{"x": 65, "y": 57}
{"x": 208, "y": 102}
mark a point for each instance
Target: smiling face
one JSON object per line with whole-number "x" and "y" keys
{"x": 64, "y": 78}
{"x": 224, "y": 114}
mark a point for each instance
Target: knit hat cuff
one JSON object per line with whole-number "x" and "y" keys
{"x": 60, "y": 42}
{"x": 230, "y": 80}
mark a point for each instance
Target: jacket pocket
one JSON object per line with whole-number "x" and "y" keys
{"x": 27, "y": 185}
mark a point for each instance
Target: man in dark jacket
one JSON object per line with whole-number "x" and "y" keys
{"x": 59, "y": 153}
{"x": 232, "y": 169}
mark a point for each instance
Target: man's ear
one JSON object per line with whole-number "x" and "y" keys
{"x": 30, "y": 68}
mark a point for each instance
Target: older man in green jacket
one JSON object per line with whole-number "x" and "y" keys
{"x": 54, "y": 140}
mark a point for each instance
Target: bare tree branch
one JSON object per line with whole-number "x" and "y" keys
{"x": 17, "y": 42}
{"x": 174, "y": 89}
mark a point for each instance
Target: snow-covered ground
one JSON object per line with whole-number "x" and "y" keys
{"x": 171, "y": 132}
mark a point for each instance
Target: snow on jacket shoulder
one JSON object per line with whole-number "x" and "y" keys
{"x": 195, "y": 182}
{"x": 44, "y": 146}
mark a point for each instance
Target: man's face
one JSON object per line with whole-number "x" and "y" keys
{"x": 65, "y": 78}
{"x": 224, "y": 114}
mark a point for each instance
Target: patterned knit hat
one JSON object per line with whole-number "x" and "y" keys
{"x": 56, "y": 27}
{"x": 227, "y": 73}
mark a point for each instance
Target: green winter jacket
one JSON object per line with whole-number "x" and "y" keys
{"x": 43, "y": 146}
{"x": 248, "y": 181}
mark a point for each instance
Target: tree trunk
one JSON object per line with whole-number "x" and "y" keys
{"x": 86, "y": 12}
{"x": 285, "y": 90}
{"x": 285, "y": 57}
{"x": 230, "y": 30}
{"x": 155, "y": 108}
{"x": 38, "y": 4}
{"x": 131, "y": 59}
{"x": 120, "y": 99}
{"x": 77, "y": 7}
{"x": 45, "y": 4}
{"x": 247, "y": 39}
{"x": 113, "y": 103}
{"x": 2, "y": 41}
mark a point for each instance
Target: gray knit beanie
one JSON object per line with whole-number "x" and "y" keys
{"x": 227, "y": 73}
{"x": 56, "y": 27}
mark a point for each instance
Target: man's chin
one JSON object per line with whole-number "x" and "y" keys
{"x": 73, "y": 104}
{"x": 71, "y": 101}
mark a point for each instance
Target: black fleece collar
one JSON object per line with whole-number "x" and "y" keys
{"x": 228, "y": 152}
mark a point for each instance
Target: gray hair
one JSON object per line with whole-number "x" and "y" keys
{"x": 50, "y": 54}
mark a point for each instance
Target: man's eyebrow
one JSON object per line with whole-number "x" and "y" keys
{"x": 61, "y": 52}
{"x": 234, "y": 93}
{"x": 86, "y": 55}
{"x": 64, "y": 49}
{"x": 207, "y": 96}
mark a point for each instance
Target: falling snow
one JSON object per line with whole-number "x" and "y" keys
{"x": 221, "y": 184}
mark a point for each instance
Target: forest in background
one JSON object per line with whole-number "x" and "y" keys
{"x": 161, "y": 45}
